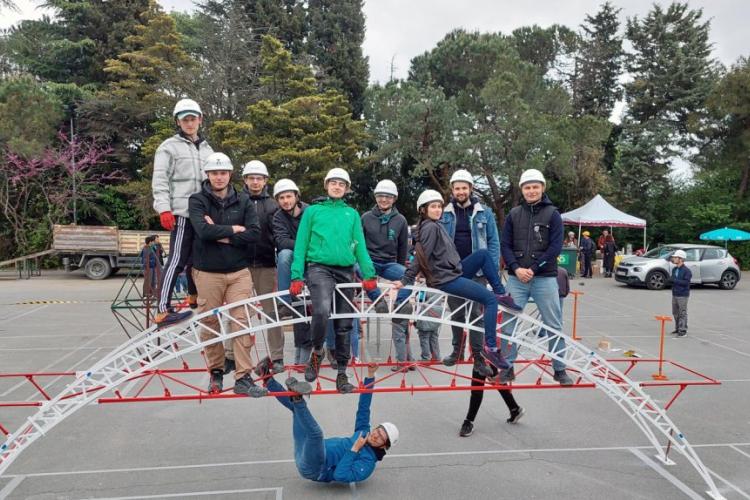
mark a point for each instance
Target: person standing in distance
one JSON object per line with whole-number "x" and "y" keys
{"x": 532, "y": 240}
{"x": 178, "y": 173}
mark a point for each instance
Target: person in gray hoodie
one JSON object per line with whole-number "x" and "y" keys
{"x": 178, "y": 173}
{"x": 387, "y": 238}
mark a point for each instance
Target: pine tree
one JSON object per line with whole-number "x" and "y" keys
{"x": 73, "y": 45}
{"x": 283, "y": 19}
{"x": 598, "y": 64}
{"x": 300, "y": 136}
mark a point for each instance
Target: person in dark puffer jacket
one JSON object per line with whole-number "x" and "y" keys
{"x": 531, "y": 242}
{"x": 681, "y": 277}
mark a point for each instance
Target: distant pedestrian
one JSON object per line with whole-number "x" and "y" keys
{"x": 608, "y": 255}
{"x": 681, "y": 277}
{"x": 563, "y": 288}
{"x": 588, "y": 249}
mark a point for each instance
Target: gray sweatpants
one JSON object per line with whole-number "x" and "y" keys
{"x": 679, "y": 311}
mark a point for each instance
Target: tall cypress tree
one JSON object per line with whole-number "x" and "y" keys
{"x": 598, "y": 64}
{"x": 335, "y": 37}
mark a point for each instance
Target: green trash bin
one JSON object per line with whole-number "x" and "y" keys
{"x": 568, "y": 259}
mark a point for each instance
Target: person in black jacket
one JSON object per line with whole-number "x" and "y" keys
{"x": 681, "y": 277}
{"x": 225, "y": 223}
{"x": 285, "y": 224}
{"x": 262, "y": 253}
{"x": 588, "y": 249}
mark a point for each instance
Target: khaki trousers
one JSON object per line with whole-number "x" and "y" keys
{"x": 215, "y": 290}
{"x": 264, "y": 281}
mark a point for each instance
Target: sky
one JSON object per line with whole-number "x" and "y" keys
{"x": 398, "y": 30}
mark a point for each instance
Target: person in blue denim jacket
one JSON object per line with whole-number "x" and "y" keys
{"x": 472, "y": 227}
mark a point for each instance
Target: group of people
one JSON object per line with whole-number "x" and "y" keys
{"x": 587, "y": 251}
{"x": 235, "y": 243}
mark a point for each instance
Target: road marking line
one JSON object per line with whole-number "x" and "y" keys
{"x": 197, "y": 494}
{"x": 19, "y": 384}
{"x": 22, "y": 314}
{"x": 12, "y": 485}
{"x": 666, "y": 475}
{"x": 391, "y": 457}
{"x": 735, "y": 488}
{"x": 739, "y": 451}
{"x": 702, "y": 339}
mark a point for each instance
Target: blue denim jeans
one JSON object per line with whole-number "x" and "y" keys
{"x": 463, "y": 286}
{"x": 309, "y": 444}
{"x": 545, "y": 293}
{"x": 353, "y": 337}
{"x": 284, "y": 271}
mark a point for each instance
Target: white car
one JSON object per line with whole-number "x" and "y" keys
{"x": 708, "y": 263}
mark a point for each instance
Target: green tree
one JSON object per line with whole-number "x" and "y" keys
{"x": 598, "y": 66}
{"x": 336, "y": 34}
{"x": 285, "y": 20}
{"x": 29, "y": 116}
{"x": 73, "y": 45}
{"x": 301, "y": 137}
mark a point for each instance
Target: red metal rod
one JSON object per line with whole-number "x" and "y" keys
{"x": 39, "y": 388}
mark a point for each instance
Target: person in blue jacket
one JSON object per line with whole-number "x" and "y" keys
{"x": 341, "y": 459}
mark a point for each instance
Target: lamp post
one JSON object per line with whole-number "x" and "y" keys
{"x": 73, "y": 163}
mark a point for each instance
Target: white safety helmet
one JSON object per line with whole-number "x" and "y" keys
{"x": 254, "y": 167}
{"x": 386, "y": 186}
{"x": 337, "y": 173}
{"x": 284, "y": 185}
{"x": 531, "y": 175}
{"x": 392, "y": 432}
{"x": 428, "y": 196}
{"x": 680, "y": 253}
{"x": 186, "y": 107}
{"x": 462, "y": 175}
{"x": 217, "y": 161}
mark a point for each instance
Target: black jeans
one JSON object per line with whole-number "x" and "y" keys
{"x": 475, "y": 401}
{"x": 322, "y": 280}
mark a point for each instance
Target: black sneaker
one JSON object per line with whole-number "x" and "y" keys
{"x": 674, "y": 332}
{"x": 342, "y": 384}
{"x": 507, "y": 376}
{"x": 467, "y": 429}
{"x": 507, "y": 301}
{"x": 263, "y": 368}
{"x": 681, "y": 334}
{"x": 496, "y": 358}
{"x": 294, "y": 385}
{"x": 481, "y": 368}
{"x": 515, "y": 415}
{"x": 246, "y": 385}
{"x": 216, "y": 382}
{"x": 563, "y": 377}
{"x": 278, "y": 366}
{"x": 313, "y": 366}
{"x": 171, "y": 318}
{"x": 229, "y": 366}
{"x": 381, "y": 307}
{"x": 453, "y": 358}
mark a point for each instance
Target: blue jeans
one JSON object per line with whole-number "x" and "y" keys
{"x": 309, "y": 445}
{"x": 545, "y": 293}
{"x": 391, "y": 271}
{"x": 353, "y": 337}
{"x": 465, "y": 287}
{"x": 284, "y": 271}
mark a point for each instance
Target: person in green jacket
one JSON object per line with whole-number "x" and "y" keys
{"x": 329, "y": 242}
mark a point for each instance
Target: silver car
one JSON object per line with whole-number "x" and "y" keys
{"x": 708, "y": 263}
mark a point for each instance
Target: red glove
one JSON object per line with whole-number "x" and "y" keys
{"x": 296, "y": 287}
{"x": 167, "y": 220}
{"x": 370, "y": 284}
